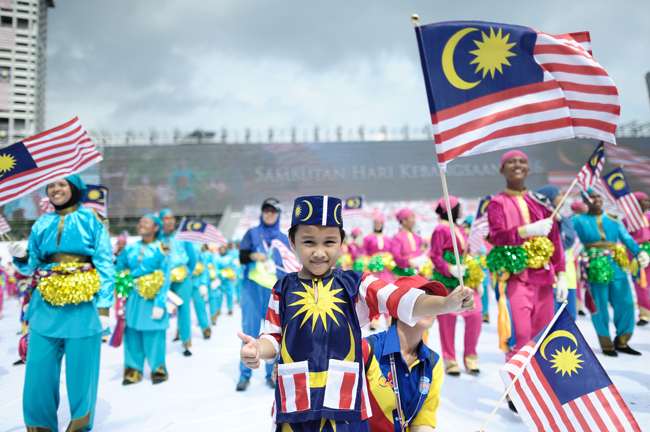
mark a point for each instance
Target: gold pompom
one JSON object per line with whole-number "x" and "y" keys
{"x": 621, "y": 258}
{"x": 539, "y": 251}
{"x": 388, "y": 261}
{"x": 345, "y": 261}
{"x": 213, "y": 272}
{"x": 198, "y": 269}
{"x": 474, "y": 274}
{"x": 426, "y": 271}
{"x": 149, "y": 285}
{"x": 228, "y": 273}
{"x": 179, "y": 274}
{"x": 72, "y": 287}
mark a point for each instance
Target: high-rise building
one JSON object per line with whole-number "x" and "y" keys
{"x": 23, "y": 43}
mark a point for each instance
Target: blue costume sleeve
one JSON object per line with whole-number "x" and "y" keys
{"x": 122, "y": 262}
{"x": 568, "y": 233}
{"x": 192, "y": 256}
{"x": 161, "y": 298}
{"x": 579, "y": 229}
{"x": 26, "y": 268}
{"x": 206, "y": 258}
{"x": 627, "y": 240}
{"x": 103, "y": 262}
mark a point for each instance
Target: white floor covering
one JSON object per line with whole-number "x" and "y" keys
{"x": 200, "y": 394}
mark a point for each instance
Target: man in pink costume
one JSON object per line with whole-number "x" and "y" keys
{"x": 378, "y": 243}
{"x": 406, "y": 246}
{"x": 642, "y": 236}
{"x": 441, "y": 242}
{"x": 514, "y": 216}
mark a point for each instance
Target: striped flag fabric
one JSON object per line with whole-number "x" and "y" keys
{"x": 480, "y": 227}
{"x": 293, "y": 380}
{"x": 46, "y": 205}
{"x": 4, "y": 226}
{"x": 290, "y": 261}
{"x": 353, "y": 207}
{"x": 97, "y": 199}
{"x": 496, "y": 86}
{"x": 50, "y": 155}
{"x": 195, "y": 230}
{"x": 7, "y": 37}
{"x": 614, "y": 187}
{"x": 563, "y": 387}
{"x": 590, "y": 173}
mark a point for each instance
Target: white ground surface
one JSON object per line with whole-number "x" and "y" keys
{"x": 200, "y": 394}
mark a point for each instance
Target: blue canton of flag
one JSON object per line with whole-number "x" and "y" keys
{"x": 563, "y": 386}
{"x": 353, "y": 207}
{"x": 97, "y": 199}
{"x": 195, "y": 230}
{"x": 14, "y": 160}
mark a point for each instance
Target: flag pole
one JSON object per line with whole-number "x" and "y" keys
{"x": 564, "y": 198}
{"x": 452, "y": 226}
{"x": 525, "y": 364}
{"x": 6, "y": 235}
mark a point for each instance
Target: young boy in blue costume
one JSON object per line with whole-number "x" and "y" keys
{"x": 182, "y": 261}
{"x": 147, "y": 261}
{"x": 200, "y": 281}
{"x": 314, "y": 325}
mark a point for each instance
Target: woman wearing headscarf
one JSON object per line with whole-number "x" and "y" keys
{"x": 568, "y": 237}
{"x": 147, "y": 319}
{"x": 262, "y": 269}
{"x": 447, "y": 273}
{"x": 406, "y": 246}
{"x": 70, "y": 252}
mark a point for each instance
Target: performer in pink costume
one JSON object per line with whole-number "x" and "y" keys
{"x": 356, "y": 244}
{"x": 441, "y": 242}
{"x": 406, "y": 246}
{"x": 642, "y": 236}
{"x": 515, "y": 215}
{"x": 378, "y": 243}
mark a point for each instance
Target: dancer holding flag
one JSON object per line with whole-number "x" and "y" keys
{"x": 183, "y": 260}
{"x": 147, "y": 319}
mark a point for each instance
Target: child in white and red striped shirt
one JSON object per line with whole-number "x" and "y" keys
{"x": 314, "y": 322}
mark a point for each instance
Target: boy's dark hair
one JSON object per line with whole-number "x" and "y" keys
{"x": 294, "y": 229}
{"x": 443, "y": 213}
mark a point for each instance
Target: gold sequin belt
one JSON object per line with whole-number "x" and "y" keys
{"x": 198, "y": 269}
{"x": 66, "y": 258}
{"x": 602, "y": 245}
{"x": 179, "y": 274}
{"x": 149, "y": 284}
{"x": 68, "y": 283}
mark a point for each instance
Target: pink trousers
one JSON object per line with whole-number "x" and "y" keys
{"x": 532, "y": 308}
{"x": 473, "y": 323}
{"x": 642, "y": 295}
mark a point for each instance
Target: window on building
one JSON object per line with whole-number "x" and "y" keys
{"x": 4, "y": 123}
{"x": 7, "y": 21}
{"x": 22, "y": 23}
{"x": 19, "y": 124}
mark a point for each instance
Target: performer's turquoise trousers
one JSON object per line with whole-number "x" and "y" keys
{"x": 226, "y": 289}
{"x": 43, "y": 374}
{"x": 618, "y": 294}
{"x": 199, "y": 304}
{"x": 184, "y": 291}
{"x": 486, "y": 288}
{"x": 139, "y": 345}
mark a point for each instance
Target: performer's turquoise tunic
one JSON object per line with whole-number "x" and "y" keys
{"x": 593, "y": 229}
{"x": 73, "y": 330}
{"x": 182, "y": 255}
{"x": 145, "y": 337}
{"x": 198, "y": 279}
{"x": 227, "y": 288}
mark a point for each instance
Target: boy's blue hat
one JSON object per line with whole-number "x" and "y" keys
{"x": 317, "y": 210}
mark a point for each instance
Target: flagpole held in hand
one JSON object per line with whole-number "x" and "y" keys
{"x": 452, "y": 226}
{"x": 7, "y": 236}
{"x": 559, "y": 206}
{"x": 525, "y": 363}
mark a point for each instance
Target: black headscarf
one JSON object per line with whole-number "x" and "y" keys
{"x": 75, "y": 198}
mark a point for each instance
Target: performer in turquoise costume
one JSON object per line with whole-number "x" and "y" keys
{"x": 71, "y": 253}
{"x": 609, "y": 283}
{"x": 147, "y": 319}
{"x": 200, "y": 283}
{"x": 224, "y": 264}
{"x": 182, "y": 262}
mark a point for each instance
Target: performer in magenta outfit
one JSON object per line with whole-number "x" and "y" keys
{"x": 378, "y": 243}
{"x": 356, "y": 245}
{"x": 514, "y": 216}
{"x": 642, "y": 236}
{"x": 441, "y": 242}
{"x": 406, "y": 246}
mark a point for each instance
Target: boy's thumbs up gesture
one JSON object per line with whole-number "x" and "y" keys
{"x": 249, "y": 354}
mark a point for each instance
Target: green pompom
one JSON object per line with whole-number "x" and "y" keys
{"x": 376, "y": 264}
{"x": 512, "y": 259}
{"x": 645, "y": 247}
{"x": 600, "y": 269}
{"x": 123, "y": 284}
{"x": 358, "y": 265}
{"x": 399, "y": 272}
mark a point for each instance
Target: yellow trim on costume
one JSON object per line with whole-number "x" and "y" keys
{"x": 411, "y": 238}
{"x": 600, "y": 227}
{"x": 317, "y": 379}
{"x": 380, "y": 241}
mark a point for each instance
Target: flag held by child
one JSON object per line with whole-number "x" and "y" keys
{"x": 195, "y": 230}
{"x": 495, "y": 86}
{"x": 564, "y": 387}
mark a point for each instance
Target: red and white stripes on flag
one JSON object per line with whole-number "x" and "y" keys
{"x": 46, "y": 205}
{"x": 210, "y": 235}
{"x": 58, "y": 152}
{"x": 627, "y": 203}
{"x": 601, "y": 410}
{"x": 293, "y": 381}
{"x": 4, "y": 226}
{"x": 378, "y": 296}
{"x": 7, "y": 37}
{"x": 478, "y": 231}
{"x": 290, "y": 261}
{"x": 342, "y": 382}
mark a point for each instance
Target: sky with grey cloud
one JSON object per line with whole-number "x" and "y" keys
{"x": 209, "y": 64}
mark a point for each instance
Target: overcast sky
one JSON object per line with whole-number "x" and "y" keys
{"x": 236, "y": 63}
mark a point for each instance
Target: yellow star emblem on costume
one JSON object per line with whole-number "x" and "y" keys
{"x": 318, "y": 301}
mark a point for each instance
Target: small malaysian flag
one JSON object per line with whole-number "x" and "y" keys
{"x": 590, "y": 173}
{"x": 7, "y": 37}
{"x": 480, "y": 228}
{"x": 290, "y": 261}
{"x": 562, "y": 386}
{"x": 614, "y": 187}
{"x": 97, "y": 199}
{"x": 197, "y": 231}
{"x": 4, "y": 226}
{"x": 46, "y": 205}
{"x": 353, "y": 207}
{"x": 43, "y": 158}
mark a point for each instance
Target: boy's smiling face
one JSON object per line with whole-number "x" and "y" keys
{"x": 318, "y": 249}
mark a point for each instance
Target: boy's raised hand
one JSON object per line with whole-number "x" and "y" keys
{"x": 460, "y": 300}
{"x": 249, "y": 353}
